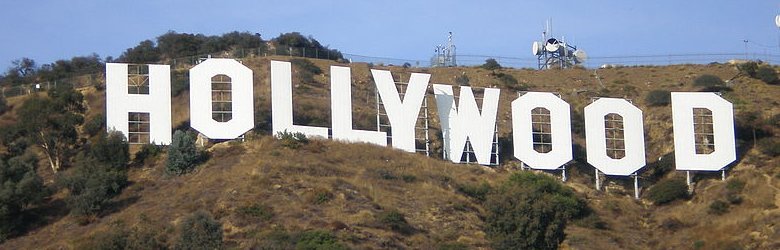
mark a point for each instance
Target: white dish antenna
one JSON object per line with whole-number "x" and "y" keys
{"x": 777, "y": 21}
{"x": 580, "y": 56}
{"x": 536, "y": 48}
{"x": 552, "y": 45}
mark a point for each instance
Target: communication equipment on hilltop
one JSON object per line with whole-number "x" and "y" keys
{"x": 445, "y": 54}
{"x": 554, "y": 53}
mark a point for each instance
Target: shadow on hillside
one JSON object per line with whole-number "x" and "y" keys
{"x": 119, "y": 205}
{"x": 38, "y": 217}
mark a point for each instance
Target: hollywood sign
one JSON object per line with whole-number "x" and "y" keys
{"x": 460, "y": 122}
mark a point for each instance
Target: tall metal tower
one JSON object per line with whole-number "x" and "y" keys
{"x": 445, "y": 55}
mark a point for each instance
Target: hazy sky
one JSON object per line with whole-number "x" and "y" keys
{"x": 48, "y": 30}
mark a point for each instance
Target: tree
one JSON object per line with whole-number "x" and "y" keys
{"x": 20, "y": 187}
{"x": 658, "y": 98}
{"x": 50, "y": 122}
{"x": 182, "y": 154}
{"x": 767, "y": 74}
{"x": 530, "y": 211}
{"x": 200, "y": 231}
{"x": 491, "y": 64}
{"x": 112, "y": 149}
{"x": 144, "y": 52}
{"x": 91, "y": 186}
{"x": 24, "y": 66}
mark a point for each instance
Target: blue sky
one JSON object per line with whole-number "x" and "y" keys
{"x": 49, "y": 30}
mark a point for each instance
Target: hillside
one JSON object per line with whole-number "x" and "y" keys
{"x": 346, "y": 189}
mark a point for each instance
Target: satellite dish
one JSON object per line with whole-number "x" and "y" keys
{"x": 552, "y": 45}
{"x": 777, "y": 21}
{"x": 580, "y": 56}
{"x": 536, "y": 49}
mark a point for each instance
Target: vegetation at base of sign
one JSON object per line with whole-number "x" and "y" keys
{"x": 530, "y": 211}
{"x": 292, "y": 140}
{"x": 668, "y": 190}
{"x": 91, "y": 185}
{"x": 658, "y": 98}
{"x": 395, "y": 221}
{"x": 183, "y": 155}
{"x": 710, "y": 83}
{"x": 111, "y": 148}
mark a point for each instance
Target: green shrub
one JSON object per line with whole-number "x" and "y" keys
{"x": 91, "y": 185}
{"x": 452, "y": 246}
{"x": 530, "y": 211}
{"x": 748, "y": 68}
{"x": 21, "y": 188}
{"x": 394, "y": 220}
{"x": 199, "y": 231}
{"x": 112, "y": 149}
{"x": 767, "y": 74}
{"x": 658, "y": 98}
{"x": 478, "y": 192}
{"x": 408, "y": 178}
{"x": 257, "y": 210}
{"x": 147, "y": 151}
{"x": 319, "y": 196}
{"x": 95, "y": 125}
{"x": 3, "y": 105}
{"x": 668, "y": 190}
{"x": 718, "y": 207}
{"x": 769, "y": 146}
{"x": 462, "y": 80}
{"x": 491, "y": 64}
{"x": 182, "y": 154}
{"x": 292, "y": 140}
{"x": 306, "y": 70}
{"x": 735, "y": 185}
{"x": 709, "y": 82}
{"x": 318, "y": 240}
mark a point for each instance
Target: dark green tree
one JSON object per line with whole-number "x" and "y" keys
{"x": 767, "y": 73}
{"x": 111, "y": 148}
{"x": 144, "y": 52}
{"x": 91, "y": 185}
{"x": 182, "y": 154}
{"x": 50, "y": 122}
{"x": 200, "y": 231}
{"x": 530, "y": 211}
{"x": 20, "y": 188}
{"x": 491, "y": 64}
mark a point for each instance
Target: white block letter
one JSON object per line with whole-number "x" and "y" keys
{"x": 464, "y": 121}
{"x": 402, "y": 114}
{"x": 201, "y": 98}
{"x": 281, "y": 103}
{"x": 685, "y": 154}
{"x": 560, "y": 130}
{"x": 341, "y": 106}
{"x": 633, "y": 136}
{"x": 157, "y": 103}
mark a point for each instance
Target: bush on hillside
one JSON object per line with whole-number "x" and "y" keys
{"x": 658, "y": 98}
{"x": 769, "y": 146}
{"x": 748, "y": 68}
{"x": 21, "y": 188}
{"x": 182, "y": 154}
{"x": 318, "y": 239}
{"x": 767, "y": 74}
{"x": 394, "y": 220}
{"x": 147, "y": 151}
{"x": 91, "y": 185}
{"x": 708, "y": 81}
{"x": 199, "y": 231}
{"x": 95, "y": 125}
{"x": 530, "y": 211}
{"x": 462, "y": 80}
{"x": 111, "y": 148}
{"x": 491, "y": 64}
{"x": 668, "y": 190}
{"x": 292, "y": 140}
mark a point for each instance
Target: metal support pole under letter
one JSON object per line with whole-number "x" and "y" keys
{"x": 563, "y": 174}
{"x": 598, "y": 185}
{"x": 688, "y": 179}
{"x": 723, "y": 174}
{"x": 636, "y": 186}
